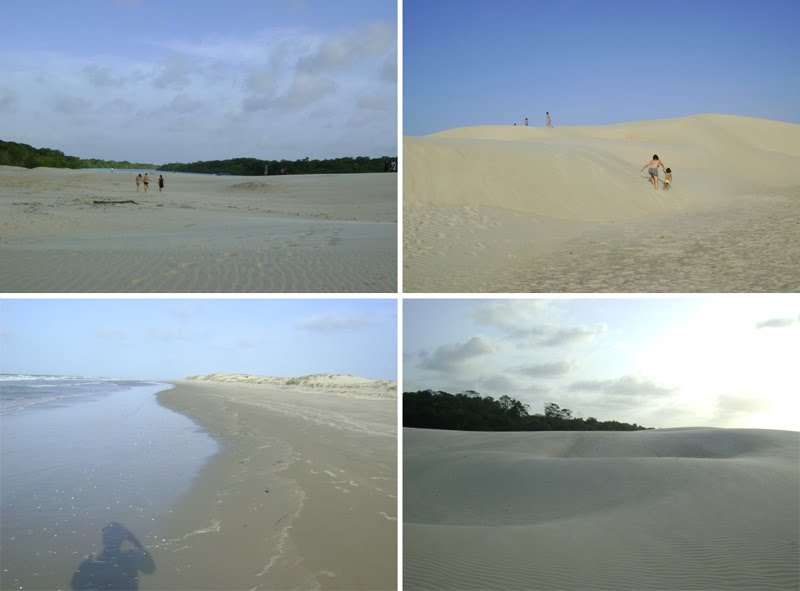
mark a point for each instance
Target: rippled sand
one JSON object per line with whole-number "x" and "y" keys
{"x": 523, "y": 209}
{"x": 317, "y": 233}
{"x": 666, "y": 509}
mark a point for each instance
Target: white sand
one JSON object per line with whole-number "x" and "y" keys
{"x": 523, "y": 209}
{"x": 341, "y": 384}
{"x": 315, "y": 233}
{"x": 668, "y": 509}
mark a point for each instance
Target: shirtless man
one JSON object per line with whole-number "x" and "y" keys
{"x": 138, "y": 181}
{"x": 653, "y": 169}
{"x": 548, "y": 119}
{"x": 146, "y": 182}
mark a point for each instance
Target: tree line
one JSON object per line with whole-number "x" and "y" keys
{"x": 16, "y": 154}
{"x": 470, "y": 411}
{"x": 256, "y": 167}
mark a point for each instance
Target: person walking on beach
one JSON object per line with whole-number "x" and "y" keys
{"x": 138, "y": 181}
{"x": 160, "y": 183}
{"x": 547, "y": 114}
{"x": 526, "y": 122}
{"x": 146, "y": 181}
{"x": 653, "y": 169}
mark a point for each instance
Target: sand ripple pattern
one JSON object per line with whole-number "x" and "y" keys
{"x": 671, "y": 509}
{"x": 204, "y": 234}
{"x": 532, "y": 210}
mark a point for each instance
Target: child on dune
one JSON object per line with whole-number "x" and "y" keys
{"x": 667, "y": 179}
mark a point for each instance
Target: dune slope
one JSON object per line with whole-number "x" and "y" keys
{"x": 669, "y": 509}
{"x": 480, "y": 199}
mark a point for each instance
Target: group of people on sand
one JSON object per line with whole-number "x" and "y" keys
{"x": 547, "y": 117}
{"x": 146, "y": 181}
{"x": 652, "y": 169}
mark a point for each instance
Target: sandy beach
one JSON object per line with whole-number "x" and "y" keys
{"x": 315, "y": 233}
{"x": 567, "y": 209}
{"x": 302, "y": 494}
{"x": 667, "y": 509}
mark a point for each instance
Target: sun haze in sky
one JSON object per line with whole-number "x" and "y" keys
{"x": 718, "y": 362}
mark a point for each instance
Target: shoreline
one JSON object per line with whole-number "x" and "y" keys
{"x": 329, "y": 518}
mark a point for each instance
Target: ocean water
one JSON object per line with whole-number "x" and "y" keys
{"x": 88, "y": 466}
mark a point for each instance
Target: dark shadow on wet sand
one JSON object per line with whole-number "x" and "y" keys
{"x": 114, "y": 569}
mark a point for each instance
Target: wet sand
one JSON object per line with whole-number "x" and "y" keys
{"x": 73, "y": 465}
{"x": 314, "y": 233}
{"x": 302, "y": 495}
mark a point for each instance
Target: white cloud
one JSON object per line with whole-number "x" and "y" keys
{"x": 304, "y": 91}
{"x": 451, "y": 357}
{"x": 102, "y": 76}
{"x": 553, "y": 369}
{"x": 784, "y": 322}
{"x": 342, "y": 51}
{"x": 627, "y": 387}
{"x": 8, "y": 101}
{"x": 183, "y": 103}
{"x": 71, "y": 105}
{"x": 222, "y": 85}
{"x": 734, "y": 406}
{"x": 336, "y": 322}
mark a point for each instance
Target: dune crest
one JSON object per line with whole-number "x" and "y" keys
{"x": 328, "y": 383}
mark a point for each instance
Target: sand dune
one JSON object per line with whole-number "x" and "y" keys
{"x": 486, "y": 208}
{"x": 344, "y": 384}
{"x": 668, "y": 509}
{"x": 315, "y": 233}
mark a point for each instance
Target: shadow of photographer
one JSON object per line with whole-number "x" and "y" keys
{"x": 115, "y": 568}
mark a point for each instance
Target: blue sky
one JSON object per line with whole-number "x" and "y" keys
{"x": 481, "y": 62}
{"x": 184, "y": 80}
{"x": 723, "y": 361}
{"x": 171, "y": 339}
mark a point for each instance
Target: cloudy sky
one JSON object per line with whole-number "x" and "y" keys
{"x": 724, "y": 361}
{"x": 185, "y": 80}
{"x": 171, "y": 339}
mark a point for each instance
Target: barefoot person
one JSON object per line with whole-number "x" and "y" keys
{"x": 138, "y": 181}
{"x": 667, "y": 179}
{"x": 160, "y": 183}
{"x": 652, "y": 169}
{"x": 549, "y": 124}
{"x": 146, "y": 181}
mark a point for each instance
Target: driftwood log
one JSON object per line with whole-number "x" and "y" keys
{"x": 102, "y": 202}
